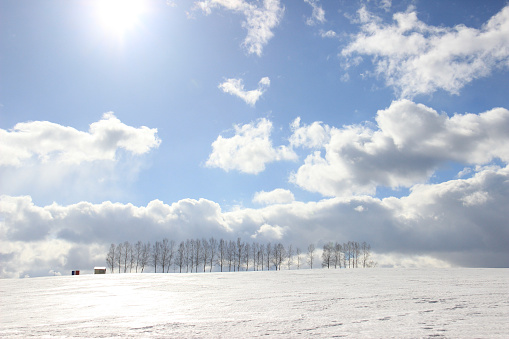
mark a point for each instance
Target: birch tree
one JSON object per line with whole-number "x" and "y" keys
{"x": 205, "y": 253}
{"x": 247, "y": 255}
{"x": 138, "y": 248}
{"x": 239, "y": 250}
{"x": 221, "y": 253}
{"x": 311, "y": 255}
{"x": 180, "y": 256}
{"x": 298, "y": 253}
{"x": 268, "y": 254}
{"x": 120, "y": 256}
{"x": 254, "y": 252}
{"x": 110, "y": 258}
{"x": 213, "y": 251}
{"x": 156, "y": 255}
{"x": 337, "y": 255}
{"x": 127, "y": 250}
{"x": 289, "y": 256}
{"x": 145, "y": 255}
{"x": 327, "y": 254}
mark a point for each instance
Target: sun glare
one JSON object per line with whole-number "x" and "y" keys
{"x": 119, "y": 16}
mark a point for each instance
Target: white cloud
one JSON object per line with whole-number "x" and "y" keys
{"x": 385, "y": 4}
{"x": 259, "y": 20}
{"x": 55, "y": 162}
{"x": 50, "y": 142}
{"x": 249, "y": 150}
{"x": 464, "y": 172}
{"x": 411, "y": 142}
{"x": 476, "y": 198}
{"x": 416, "y": 58}
{"x": 277, "y": 196}
{"x": 35, "y": 239}
{"x": 269, "y": 233}
{"x": 431, "y": 226}
{"x": 328, "y": 34}
{"x": 318, "y": 15}
{"x": 236, "y": 87}
{"x": 315, "y": 135}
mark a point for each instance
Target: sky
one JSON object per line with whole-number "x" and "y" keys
{"x": 301, "y": 121}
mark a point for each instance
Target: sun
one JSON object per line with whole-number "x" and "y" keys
{"x": 120, "y": 16}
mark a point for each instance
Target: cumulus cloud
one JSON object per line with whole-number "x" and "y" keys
{"x": 309, "y": 136}
{"x": 416, "y": 58}
{"x": 51, "y": 160}
{"x": 318, "y": 14}
{"x": 458, "y": 222}
{"x": 277, "y": 196}
{"x": 62, "y": 144}
{"x": 236, "y": 87}
{"x": 269, "y": 233}
{"x": 385, "y": 4}
{"x": 34, "y": 239}
{"x": 260, "y": 20}
{"x": 249, "y": 150}
{"x": 411, "y": 141}
{"x": 328, "y": 34}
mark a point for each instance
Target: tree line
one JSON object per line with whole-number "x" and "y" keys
{"x": 193, "y": 255}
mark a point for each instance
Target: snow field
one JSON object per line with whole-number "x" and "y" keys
{"x": 377, "y": 303}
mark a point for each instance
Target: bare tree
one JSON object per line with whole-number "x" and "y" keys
{"x": 110, "y": 258}
{"x": 156, "y": 255}
{"x": 171, "y": 256}
{"x": 180, "y": 257}
{"x": 261, "y": 255}
{"x": 289, "y": 256}
{"x": 127, "y": 250}
{"x": 145, "y": 255}
{"x": 138, "y": 248}
{"x": 311, "y": 255}
{"x": 327, "y": 254}
{"x": 345, "y": 254}
{"x": 357, "y": 252}
{"x": 167, "y": 254}
{"x": 366, "y": 256}
{"x": 347, "y": 250}
{"x": 221, "y": 253}
{"x": 205, "y": 253}
{"x": 246, "y": 255}
{"x": 278, "y": 253}
{"x": 275, "y": 256}
{"x": 164, "y": 253}
{"x": 132, "y": 258}
{"x": 268, "y": 252}
{"x": 189, "y": 254}
{"x": 298, "y": 252}
{"x": 239, "y": 252}
{"x": 254, "y": 252}
{"x": 337, "y": 255}
{"x": 120, "y": 256}
{"x": 197, "y": 253}
{"x": 213, "y": 251}
{"x": 230, "y": 255}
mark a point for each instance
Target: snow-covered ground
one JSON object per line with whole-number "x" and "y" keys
{"x": 381, "y": 303}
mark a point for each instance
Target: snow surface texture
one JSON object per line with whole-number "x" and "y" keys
{"x": 403, "y": 303}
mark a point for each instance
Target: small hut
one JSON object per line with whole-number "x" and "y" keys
{"x": 99, "y": 270}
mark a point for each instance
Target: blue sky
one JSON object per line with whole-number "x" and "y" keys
{"x": 387, "y": 107}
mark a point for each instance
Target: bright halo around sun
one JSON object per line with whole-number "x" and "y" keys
{"x": 120, "y": 16}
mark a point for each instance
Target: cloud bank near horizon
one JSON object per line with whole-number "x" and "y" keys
{"x": 459, "y": 222}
